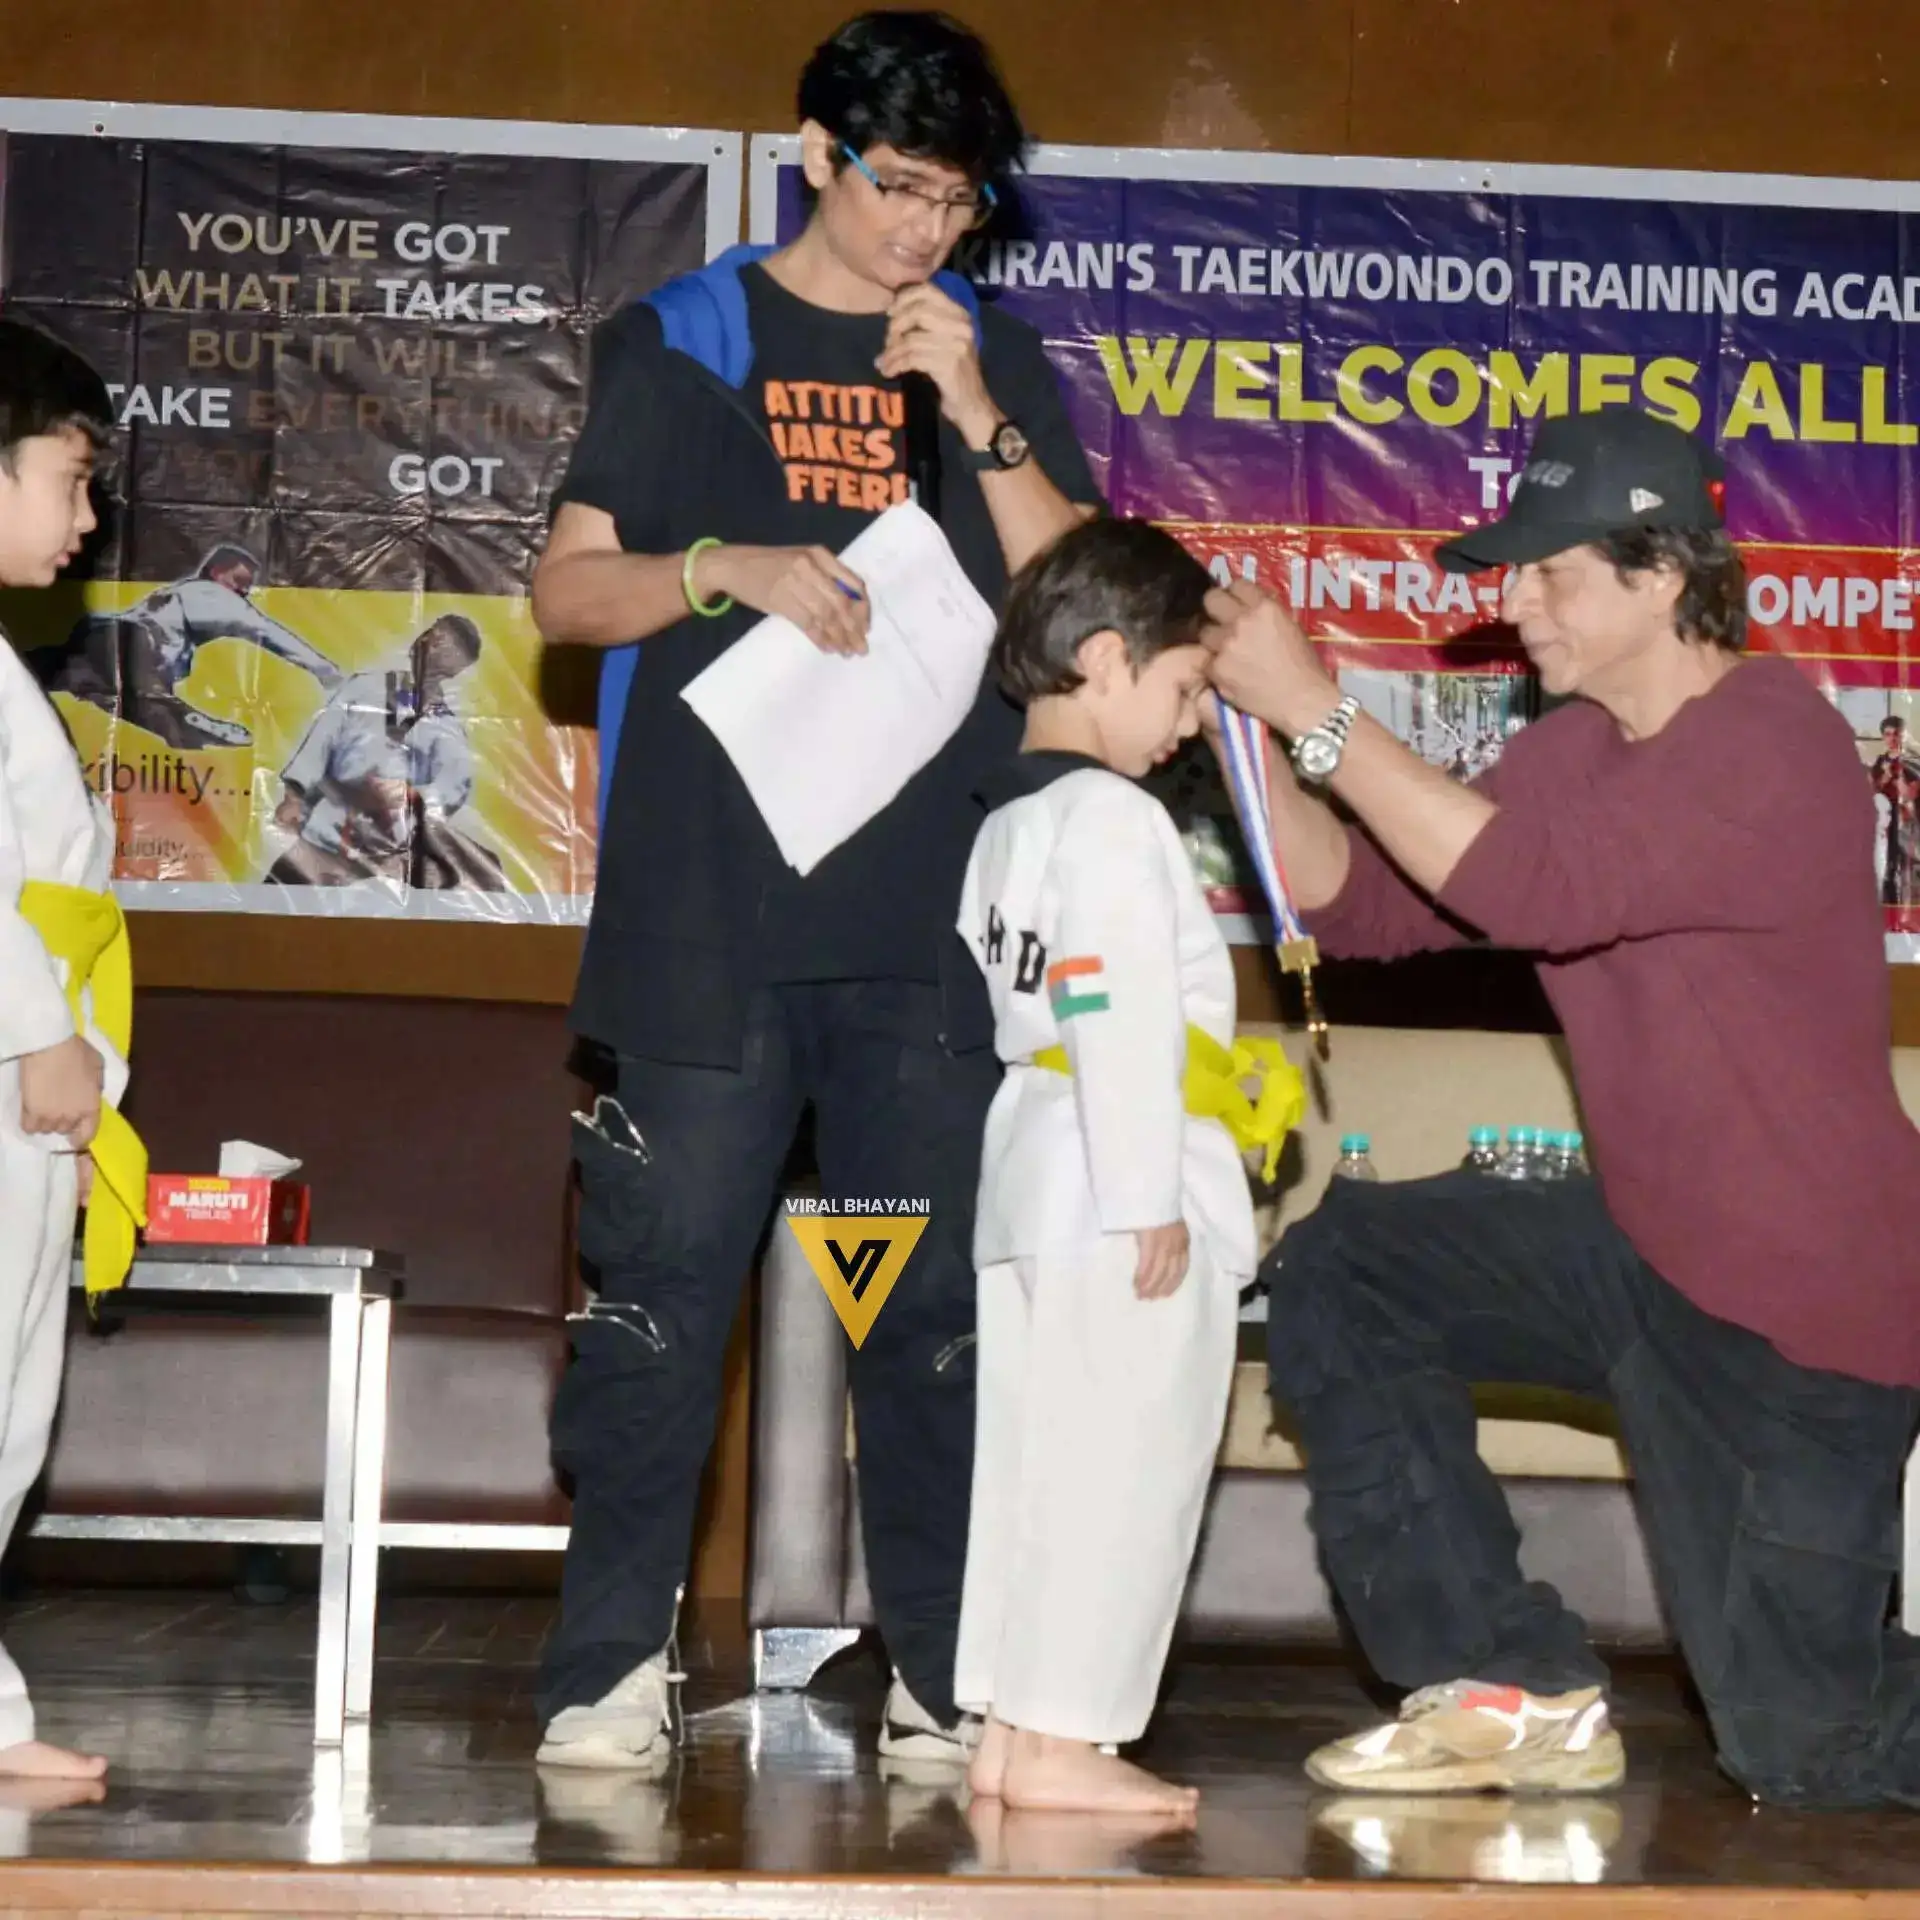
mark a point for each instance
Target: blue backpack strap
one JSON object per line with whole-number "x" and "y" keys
{"x": 704, "y": 316}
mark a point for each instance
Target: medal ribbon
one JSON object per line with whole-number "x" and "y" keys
{"x": 1243, "y": 743}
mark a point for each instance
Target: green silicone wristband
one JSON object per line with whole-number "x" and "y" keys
{"x": 707, "y": 609}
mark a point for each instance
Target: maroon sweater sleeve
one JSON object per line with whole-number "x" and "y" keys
{"x": 1379, "y": 914}
{"x": 1616, "y": 842}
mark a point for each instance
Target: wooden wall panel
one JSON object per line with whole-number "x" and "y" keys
{"x": 1786, "y": 86}
{"x": 284, "y": 953}
{"x": 1813, "y": 86}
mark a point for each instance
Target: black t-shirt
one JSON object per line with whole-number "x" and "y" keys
{"x": 694, "y": 905}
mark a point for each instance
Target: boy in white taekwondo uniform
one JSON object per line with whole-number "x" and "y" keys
{"x": 59, "y": 1072}
{"x": 1115, "y": 1230}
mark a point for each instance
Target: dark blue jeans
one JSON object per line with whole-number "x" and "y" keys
{"x": 1769, "y": 1493}
{"x": 667, "y": 1235}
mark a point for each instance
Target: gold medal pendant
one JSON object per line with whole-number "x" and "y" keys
{"x": 1302, "y": 956}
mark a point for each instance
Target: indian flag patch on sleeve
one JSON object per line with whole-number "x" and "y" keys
{"x": 1078, "y": 985}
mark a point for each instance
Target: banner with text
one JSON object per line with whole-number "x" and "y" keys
{"x": 349, "y": 357}
{"x": 1315, "y": 369}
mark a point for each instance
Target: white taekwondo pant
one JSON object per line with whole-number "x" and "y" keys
{"x": 1098, "y": 1425}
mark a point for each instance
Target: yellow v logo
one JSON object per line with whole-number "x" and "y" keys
{"x": 857, "y": 1258}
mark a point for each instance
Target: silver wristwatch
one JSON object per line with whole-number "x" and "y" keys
{"x": 1317, "y": 754}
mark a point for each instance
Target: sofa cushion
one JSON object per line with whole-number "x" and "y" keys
{"x": 211, "y": 1414}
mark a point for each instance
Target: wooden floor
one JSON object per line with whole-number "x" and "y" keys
{"x": 776, "y": 1805}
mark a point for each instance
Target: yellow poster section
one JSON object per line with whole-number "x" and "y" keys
{"x": 197, "y": 815}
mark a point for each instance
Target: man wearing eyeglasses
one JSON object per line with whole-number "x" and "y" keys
{"x": 743, "y": 425}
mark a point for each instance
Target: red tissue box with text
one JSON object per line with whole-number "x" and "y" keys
{"x": 209, "y": 1210}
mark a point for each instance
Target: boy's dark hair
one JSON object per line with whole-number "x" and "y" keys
{"x": 920, "y": 83}
{"x": 45, "y": 387}
{"x": 1713, "y": 596}
{"x": 1121, "y": 576}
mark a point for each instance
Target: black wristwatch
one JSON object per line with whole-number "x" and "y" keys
{"x": 1006, "y": 449}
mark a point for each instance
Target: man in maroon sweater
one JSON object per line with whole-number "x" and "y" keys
{"x": 1712, "y": 945}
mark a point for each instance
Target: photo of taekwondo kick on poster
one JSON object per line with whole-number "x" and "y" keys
{"x": 302, "y": 666}
{"x": 1315, "y": 369}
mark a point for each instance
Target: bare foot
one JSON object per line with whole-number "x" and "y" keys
{"x": 988, "y": 1769}
{"x": 1073, "y": 1776}
{"x": 34, "y": 1759}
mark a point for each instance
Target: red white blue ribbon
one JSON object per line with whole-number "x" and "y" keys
{"x": 1243, "y": 742}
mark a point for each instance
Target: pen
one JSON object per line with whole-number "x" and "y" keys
{"x": 851, "y": 593}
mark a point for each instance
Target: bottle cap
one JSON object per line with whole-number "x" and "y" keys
{"x": 1355, "y": 1143}
{"x": 1483, "y": 1136}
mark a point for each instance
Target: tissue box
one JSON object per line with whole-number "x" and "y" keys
{"x": 207, "y": 1210}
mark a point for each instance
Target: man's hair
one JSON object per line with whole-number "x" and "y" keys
{"x": 45, "y": 387}
{"x": 457, "y": 628}
{"x": 1712, "y": 607}
{"x": 227, "y": 555}
{"x": 1120, "y": 576}
{"x": 920, "y": 83}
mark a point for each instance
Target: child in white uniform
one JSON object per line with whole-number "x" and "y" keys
{"x": 1115, "y": 1231}
{"x": 55, "y": 1071}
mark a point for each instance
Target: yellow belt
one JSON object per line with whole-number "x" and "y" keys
{"x": 1215, "y": 1090}
{"x": 89, "y": 932}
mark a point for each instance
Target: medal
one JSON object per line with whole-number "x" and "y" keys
{"x": 1301, "y": 956}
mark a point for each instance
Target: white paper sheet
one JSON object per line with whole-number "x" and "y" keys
{"x": 825, "y": 741}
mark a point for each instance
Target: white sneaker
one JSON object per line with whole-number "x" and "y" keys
{"x": 1466, "y": 1737}
{"x": 625, "y": 1730}
{"x": 909, "y": 1732}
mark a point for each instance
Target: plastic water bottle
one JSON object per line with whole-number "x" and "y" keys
{"x": 1356, "y": 1161}
{"x": 1552, "y": 1162}
{"x": 1483, "y": 1150}
{"x": 1576, "y": 1151}
{"x": 1521, "y": 1159}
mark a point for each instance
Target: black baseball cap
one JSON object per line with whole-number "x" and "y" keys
{"x": 1592, "y": 474}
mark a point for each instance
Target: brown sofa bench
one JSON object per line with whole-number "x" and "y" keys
{"x": 436, "y": 1128}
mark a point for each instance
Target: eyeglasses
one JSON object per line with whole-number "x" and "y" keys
{"x": 976, "y": 206}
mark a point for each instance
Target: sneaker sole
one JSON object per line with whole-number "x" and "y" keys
{"x": 595, "y": 1756}
{"x": 1600, "y": 1769}
{"x": 924, "y": 1749}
